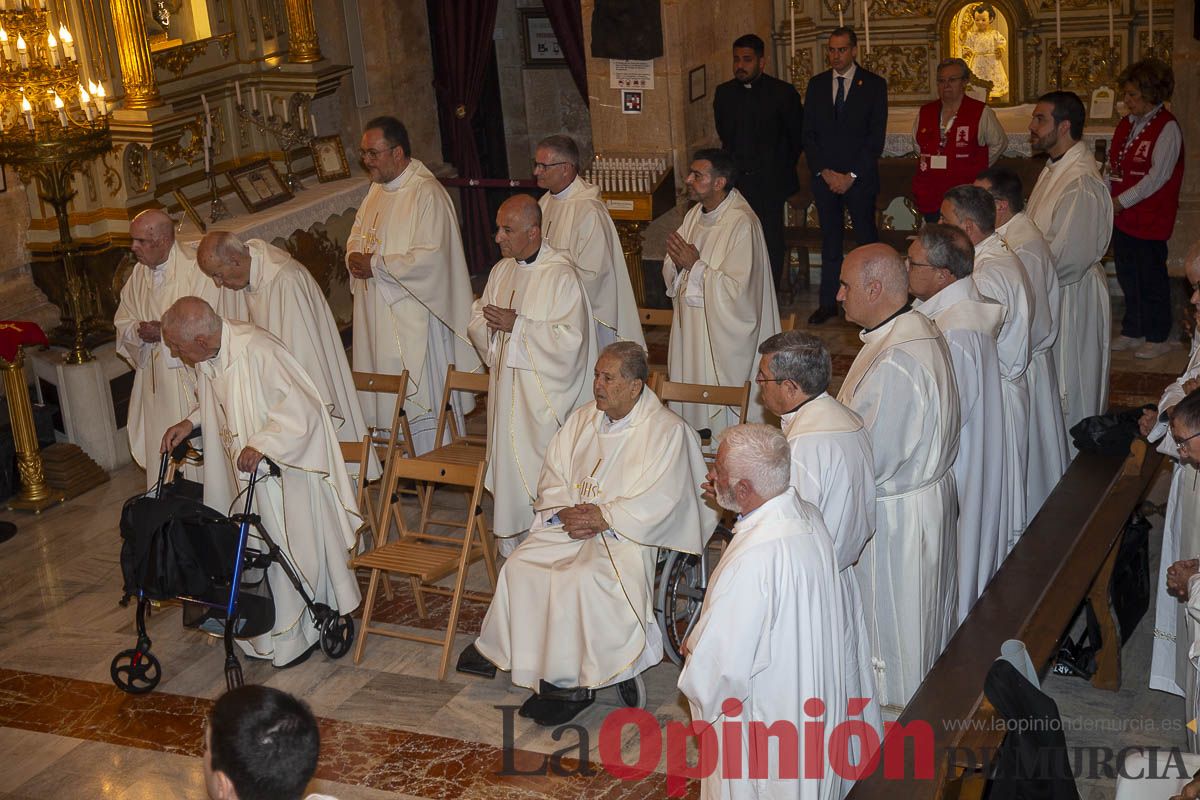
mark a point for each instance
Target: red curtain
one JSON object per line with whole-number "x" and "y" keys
{"x": 566, "y": 17}
{"x": 462, "y": 37}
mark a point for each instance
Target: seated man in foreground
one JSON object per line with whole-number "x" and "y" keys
{"x": 255, "y": 401}
{"x": 574, "y": 608}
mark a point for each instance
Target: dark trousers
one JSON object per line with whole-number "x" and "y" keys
{"x": 1142, "y": 273}
{"x": 860, "y": 202}
{"x": 768, "y": 207}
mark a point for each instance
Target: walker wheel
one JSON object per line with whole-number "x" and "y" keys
{"x": 336, "y": 635}
{"x": 632, "y": 692}
{"x": 135, "y": 671}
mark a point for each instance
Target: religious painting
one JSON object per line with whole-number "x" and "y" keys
{"x": 259, "y": 185}
{"x": 980, "y": 34}
{"x": 631, "y": 101}
{"x": 329, "y": 158}
{"x": 538, "y": 42}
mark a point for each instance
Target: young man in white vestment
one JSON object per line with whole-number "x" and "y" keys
{"x": 412, "y": 293}
{"x": 256, "y": 400}
{"x": 1171, "y": 667}
{"x": 718, "y": 276}
{"x": 769, "y": 640}
{"x": 163, "y": 389}
{"x": 573, "y": 609}
{"x": 939, "y": 263}
{"x": 833, "y": 469}
{"x": 575, "y": 219}
{"x": 534, "y": 326}
{"x": 281, "y": 297}
{"x": 902, "y": 386}
{"x": 1072, "y": 208}
{"x": 1000, "y": 276}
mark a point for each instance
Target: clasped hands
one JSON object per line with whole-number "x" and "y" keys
{"x": 499, "y": 318}
{"x": 247, "y": 460}
{"x": 582, "y": 521}
{"x": 359, "y": 265}
{"x": 682, "y": 252}
{"x": 150, "y": 332}
{"x": 1178, "y": 575}
{"x": 838, "y": 182}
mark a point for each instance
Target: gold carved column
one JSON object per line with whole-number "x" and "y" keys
{"x": 303, "y": 47}
{"x": 137, "y": 70}
{"x": 630, "y": 234}
{"x": 35, "y": 495}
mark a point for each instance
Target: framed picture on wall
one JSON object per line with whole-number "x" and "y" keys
{"x": 539, "y": 45}
{"x": 697, "y": 87}
{"x": 259, "y": 185}
{"x": 329, "y": 158}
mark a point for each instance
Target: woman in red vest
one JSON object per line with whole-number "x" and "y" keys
{"x": 957, "y": 138}
{"x": 1145, "y": 174}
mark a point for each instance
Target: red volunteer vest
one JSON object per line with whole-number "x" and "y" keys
{"x": 1154, "y": 217}
{"x": 965, "y": 157}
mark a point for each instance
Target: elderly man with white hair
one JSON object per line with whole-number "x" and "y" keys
{"x": 256, "y": 400}
{"x": 769, "y": 640}
{"x": 282, "y": 297}
{"x": 163, "y": 390}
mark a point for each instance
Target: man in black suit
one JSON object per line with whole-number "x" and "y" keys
{"x": 844, "y": 129}
{"x": 761, "y": 124}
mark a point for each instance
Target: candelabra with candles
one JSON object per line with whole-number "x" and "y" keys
{"x": 289, "y": 135}
{"x": 50, "y": 126}
{"x": 217, "y": 209}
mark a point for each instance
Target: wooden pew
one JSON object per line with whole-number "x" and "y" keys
{"x": 1067, "y": 554}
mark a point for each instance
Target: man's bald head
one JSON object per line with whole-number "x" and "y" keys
{"x": 224, "y": 258}
{"x": 191, "y": 329}
{"x": 152, "y": 233}
{"x": 519, "y": 227}
{"x": 874, "y": 284}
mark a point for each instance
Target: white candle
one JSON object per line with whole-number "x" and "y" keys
{"x": 254, "y": 98}
{"x": 59, "y": 106}
{"x": 5, "y": 44}
{"x": 286, "y": 111}
{"x": 237, "y": 88}
{"x": 1150, "y": 26}
{"x": 52, "y": 49}
{"x": 27, "y": 110}
{"x": 1111, "y": 38}
{"x": 791, "y": 38}
{"x": 867, "y": 26}
{"x": 85, "y": 100}
{"x": 1058, "y": 24}
{"x": 207, "y": 162}
{"x": 267, "y": 102}
{"x": 100, "y": 95}
{"x": 312, "y": 118}
{"x": 22, "y": 52}
{"x": 68, "y": 42}
{"x": 204, "y": 102}
{"x": 841, "y": 22}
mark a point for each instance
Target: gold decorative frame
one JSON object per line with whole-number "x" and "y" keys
{"x": 329, "y": 158}
{"x": 190, "y": 210}
{"x": 259, "y": 185}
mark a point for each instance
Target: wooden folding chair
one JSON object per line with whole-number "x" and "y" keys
{"x": 788, "y": 323}
{"x": 460, "y": 447}
{"x": 656, "y": 317}
{"x": 425, "y": 558}
{"x": 704, "y": 394}
{"x": 393, "y": 441}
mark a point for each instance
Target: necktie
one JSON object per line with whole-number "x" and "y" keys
{"x": 839, "y": 102}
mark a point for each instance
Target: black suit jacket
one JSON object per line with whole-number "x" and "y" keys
{"x": 853, "y": 143}
{"x": 762, "y": 127}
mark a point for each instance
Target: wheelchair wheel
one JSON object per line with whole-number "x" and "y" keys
{"x": 337, "y": 633}
{"x": 135, "y": 671}
{"x": 632, "y": 692}
{"x": 678, "y": 597}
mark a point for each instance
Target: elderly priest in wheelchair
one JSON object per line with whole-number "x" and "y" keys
{"x": 573, "y": 610}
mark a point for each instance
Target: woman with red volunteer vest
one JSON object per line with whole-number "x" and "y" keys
{"x": 957, "y": 136}
{"x": 1145, "y": 174}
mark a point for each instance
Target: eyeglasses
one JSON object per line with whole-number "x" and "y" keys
{"x": 539, "y": 165}
{"x": 1181, "y": 444}
{"x": 760, "y": 379}
{"x": 909, "y": 264}
{"x": 373, "y": 155}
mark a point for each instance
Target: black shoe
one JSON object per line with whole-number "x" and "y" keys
{"x": 472, "y": 662}
{"x": 534, "y": 706}
{"x": 552, "y": 713}
{"x": 822, "y": 314}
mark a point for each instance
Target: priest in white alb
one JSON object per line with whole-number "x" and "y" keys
{"x": 412, "y": 293}
{"x": 718, "y": 275}
{"x": 999, "y": 275}
{"x": 769, "y": 638}
{"x": 833, "y": 469}
{"x": 1071, "y": 206}
{"x": 282, "y": 298}
{"x": 256, "y": 401}
{"x": 940, "y": 261}
{"x": 575, "y": 219}
{"x": 1048, "y": 451}
{"x": 533, "y": 325}
{"x": 574, "y": 610}
{"x": 902, "y": 386}
{"x": 163, "y": 389}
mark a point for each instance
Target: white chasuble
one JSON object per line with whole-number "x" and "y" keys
{"x": 253, "y": 393}
{"x": 1048, "y": 451}
{"x": 1000, "y": 276}
{"x": 724, "y": 307}
{"x": 581, "y": 612}
{"x": 1170, "y": 667}
{"x": 768, "y": 640}
{"x": 1071, "y": 206}
{"x": 902, "y": 385}
{"x": 575, "y": 220}
{"x": 413, "y": 313}
{"x": 283, "y": 298}
{"x": 971, "y": 323}
{"x": 833, "y": 469}
{"x": 538, "y": 375}
{"x": 164, "y": 389}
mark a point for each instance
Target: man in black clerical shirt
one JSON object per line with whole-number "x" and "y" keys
{"x": 761, "y": 124}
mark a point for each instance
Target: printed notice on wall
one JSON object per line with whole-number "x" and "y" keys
{"x": 630, "y": 74}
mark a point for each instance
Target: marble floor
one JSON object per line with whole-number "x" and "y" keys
{"x": 389, "y": 727}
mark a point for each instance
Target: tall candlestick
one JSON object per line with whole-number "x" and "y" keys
{"x": 867, "y": 26}
{"x": 1058, "y": 24}
{"x": 791, "y": 37}
{"x": 1111, "y": 38}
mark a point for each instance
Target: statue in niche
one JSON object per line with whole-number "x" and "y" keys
{"x": 158, "y": 16}
{"x": 979, "y": 36}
